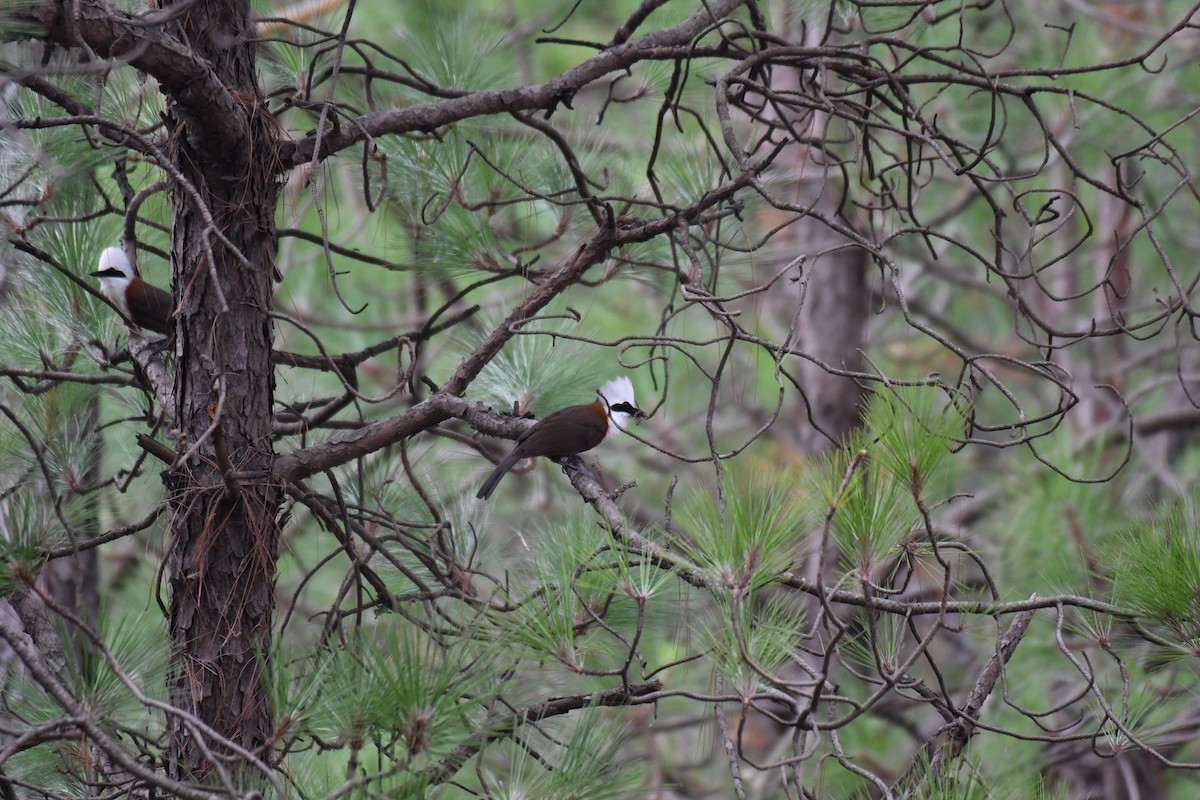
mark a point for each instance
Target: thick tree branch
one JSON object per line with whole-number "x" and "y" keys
{"x": 142, "y": 42}
{"x": 304, "y": 463}
{"x": 548, "y": 95}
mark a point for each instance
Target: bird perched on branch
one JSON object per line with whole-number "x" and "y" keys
{"x": 571, "y": 430}
{"x": 144, "y": 305}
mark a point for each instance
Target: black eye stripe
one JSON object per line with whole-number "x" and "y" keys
{"x": 624, "y": 407}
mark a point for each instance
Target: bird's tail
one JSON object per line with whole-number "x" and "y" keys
{"x": 499, "y": 472}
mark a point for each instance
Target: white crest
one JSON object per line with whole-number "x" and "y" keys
{"x": 115, "y": 258}
{"x": 617, "y": 390}
{"x": 611, "y": 393}
{"x": 113, "y": 287}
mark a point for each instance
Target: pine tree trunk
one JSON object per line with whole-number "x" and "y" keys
{"x": 224, "y": 534}
{"x": 74, "y": 581}
{"x": 831, "y": 323}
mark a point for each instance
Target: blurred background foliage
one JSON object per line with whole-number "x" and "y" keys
{"x": 1006, "y": 451}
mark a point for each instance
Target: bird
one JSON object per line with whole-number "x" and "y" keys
{"x": 572, "y": 430}
{"x": 144, "y": 305}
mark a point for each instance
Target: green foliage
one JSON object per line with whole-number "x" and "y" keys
{"x": 134, "y": 639}
{"x": 1143, "y": 714}
{"x": 637, "y": 576}
{"x": 139, "y": 658}
{"x": 745, "y": 535}
{"x": 455, "y": 50}
{"x": 1046, "y": 525}
{"x": 42, "y": 486}
{"x": 583, "y": 762}
{"x": 457, "y": 240}
{"x": 750, "y": 639}
{"x": 58, "y": 160}
{"x": 286, "y": 61}
{"x": 395, "y": 688}
{"x": 914, "y": 429}
{"x": 870, "y": 488}
{"x": 1155, "y": 569}
{"x": 876, "y": 644}
{"x": 540, "y": 373}
{"x": 505, "y": 169}
{"x": 968, "y": 785}
{"x": 49, "y": 315}
{"x": 566, "y": 595}
{"x": 688, "y": 173}
{"x": 29, "y": 525}
{"x": 871, "y": 514}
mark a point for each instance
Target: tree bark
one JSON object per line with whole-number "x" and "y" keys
{"x": 831, "y": 322}
{"x": 224, "y": 533}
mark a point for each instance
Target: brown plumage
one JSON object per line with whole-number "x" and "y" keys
{"x": 149, "y": 306}
{"x": 571, "y": 430}
{"x": 566, "y": 432}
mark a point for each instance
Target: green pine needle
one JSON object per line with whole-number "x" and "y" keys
{"x": 914, "y": 429}
{"x": 757, "y": 534}
{"x": 1155, "y": 569}
{"x": 397, "y": 684}
{"x": 750, "y": 640}
{"x": 548, "y": 619}
{"x": 542, "y": 373}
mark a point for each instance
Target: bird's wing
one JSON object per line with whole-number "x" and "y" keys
{"x": 567, "y": 432}
{"x": 153, "y": 305}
